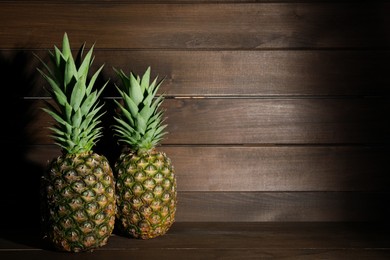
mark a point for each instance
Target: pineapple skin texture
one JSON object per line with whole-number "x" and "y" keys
{"x": 79, "y": 202}
{"x": 146, "y": 194}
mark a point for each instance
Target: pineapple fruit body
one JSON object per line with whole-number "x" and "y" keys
{"x": 79, "y": 195}
{"x": 146, "y": 183}
{"x": 79, "y": 188}
{"x": 146, "y": 193}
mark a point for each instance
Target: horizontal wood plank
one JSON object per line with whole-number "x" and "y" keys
{"x": 196, "y": 26}
{"x": 282, "y": 206}
{"x": 258, "y": 73}
{"x": 240, "y": 121}
{"x": 241, "y": 207}
{"x": 200, "y": 253}
{"x": 276, "y": 121}
{"x": 223, "y": 73}
{"x": 297, "y": 168}
{"x": 224, "y": 241}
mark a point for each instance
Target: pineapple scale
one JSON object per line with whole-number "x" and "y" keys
{"x": 80, "y": 195}
{"x": 147, "y": 197}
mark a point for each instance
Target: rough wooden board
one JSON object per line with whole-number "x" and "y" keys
{"x": 258, "y": 168}
{"x": 227, "y": 241}
{"x": 199, "y": 25}
{"x": 245, "y": 121}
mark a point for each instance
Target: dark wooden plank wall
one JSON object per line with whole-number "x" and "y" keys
{"x": 277, "y": 111}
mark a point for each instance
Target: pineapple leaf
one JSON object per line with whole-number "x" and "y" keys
{"x": 126, "y": 114}
{"x": 80, "y": 55}
{"x": 88, "y": 103}
{"x": 47, "y": 68}
{"x": 76, "y": 119}
{"x": 93, "y": 117}
{"x": 93, "y": 80}
{"x": 70, "y": 144}
{"x": 59, "y": 60}
{"x": 84, "y": 67}
{"x": 146, "y": 112}
{"x": 135, "y": 90}
{"x": 151, "y": 95}
{"x": 66, "y": 50}
{"x": 51, "y": 107}
{"x": 158, "y": 101}
{"x": 56, "y": 90}
{"x": 154, "y": 121}
{"x": 58, "y": 56}
{"x": 78, "y": 94}
{"x": 145, "y": 80}
{"x": 56, "y": 117}
{"x": 70, "y": 71}
{"x": 141, "y": 124}
{"x": 68, "y": 112}
{"x": 130, "y": 105}
{"x": 160, "y": 131}
{"x": 124, "y": 127}
{"x": 77, "y": 109}
{"x": 76, "y": 135}
{"x": 91, "y": 126}
{"x": 56, "y": 133}
{"x": 125, "y": 80}
{"x": 102, "y": 88}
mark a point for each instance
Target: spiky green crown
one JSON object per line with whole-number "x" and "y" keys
{"x": 76, "y": 110}
{"x": 140, "y": 122}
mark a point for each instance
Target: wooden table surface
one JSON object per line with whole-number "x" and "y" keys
{"x": 224, "y": 240}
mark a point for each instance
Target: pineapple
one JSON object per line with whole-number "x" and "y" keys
{"x": 145, "y": 179}
{"x": 78, "y": 188}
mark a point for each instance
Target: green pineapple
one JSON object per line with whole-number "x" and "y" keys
{"x": 78, "y": 188}
{"x": 146, "y": 183}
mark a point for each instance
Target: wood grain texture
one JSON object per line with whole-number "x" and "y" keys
{"x": 276, "y": 111}
{"x": 274, "y": 206}
{"x": 249, "y": 121}
{"x": 272, "y": 73}
{"x": 281, "y": 168}
{"x": 280, "y": 121}
{"x": 200, "y": 253}
{"x": 225, "y": 241}
{"x": 282, "y": 206}
{"x": 196, "y": 26}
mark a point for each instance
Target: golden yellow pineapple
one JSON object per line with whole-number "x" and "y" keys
{"x": 78, "y": 188}
{"x": 146, "y": 183}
